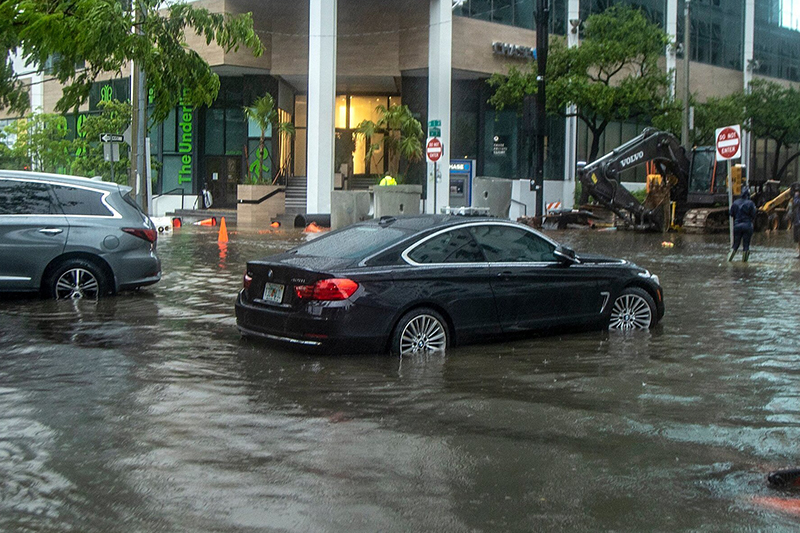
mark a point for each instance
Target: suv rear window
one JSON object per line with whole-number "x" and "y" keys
{"x": 76, "y": 201}
{"x": 26, "y": 198}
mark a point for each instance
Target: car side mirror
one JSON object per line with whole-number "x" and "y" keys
{"x": 565, "y": 255}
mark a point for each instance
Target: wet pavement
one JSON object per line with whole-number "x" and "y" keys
{"x": 146, "y": 412}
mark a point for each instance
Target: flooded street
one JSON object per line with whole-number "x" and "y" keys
{"x": 147, "y": 412}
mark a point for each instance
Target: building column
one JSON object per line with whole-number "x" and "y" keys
{"x": 440, "y": 65}
{"x": 747, "y": 73}
{"x": 571, "y": 122}
{"x": 321, "y": 103}
{"x": 672, "y": 48}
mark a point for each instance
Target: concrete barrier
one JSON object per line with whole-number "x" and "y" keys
{"x": 394, "y": 200}
{"x": 349, "y": 207}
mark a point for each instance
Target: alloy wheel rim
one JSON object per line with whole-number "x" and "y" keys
{"x": 77, "y": 283}
{"x": 631, "y": 311}
{"x": 424, "y": 334}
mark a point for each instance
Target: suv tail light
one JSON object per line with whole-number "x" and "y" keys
{"x": 327, "y": 289}
{"x": 149, "y": 235}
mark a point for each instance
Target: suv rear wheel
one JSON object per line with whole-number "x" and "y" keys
{"x": 75, "y": 279}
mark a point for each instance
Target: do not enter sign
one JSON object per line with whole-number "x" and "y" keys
{"x": 729, "y": 142}
{"x": 433, "y": 149}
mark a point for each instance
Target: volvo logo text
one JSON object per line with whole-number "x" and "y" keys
{"x": 631, "y": 159}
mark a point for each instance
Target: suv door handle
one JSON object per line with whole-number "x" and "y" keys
{"x": 51, "y": 231}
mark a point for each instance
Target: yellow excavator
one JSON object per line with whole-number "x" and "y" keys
{"x": 689, "y": 192}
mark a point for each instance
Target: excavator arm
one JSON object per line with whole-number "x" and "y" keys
{"x": 600, "y": 178}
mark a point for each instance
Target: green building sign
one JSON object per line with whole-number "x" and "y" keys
{"x": 186, "y": 139}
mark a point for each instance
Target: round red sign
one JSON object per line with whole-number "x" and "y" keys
{"x": 434, "y": 150}
{"x": 728, "y": 143}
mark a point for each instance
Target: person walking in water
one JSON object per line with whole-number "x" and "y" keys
{"x": 743, "y": 211}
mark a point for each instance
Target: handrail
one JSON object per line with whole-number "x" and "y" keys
{"x": 524, "y": 206}
{"x": 183, "y": 194}
{"x": 263, "y": 198}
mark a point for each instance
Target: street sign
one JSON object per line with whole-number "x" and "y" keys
{"x": 729, "y": 142}
{"x": 111, "y": 152}
{"x": 434, "y": 132}
{"x": 111, "y": 138}
{"x": 434, "y": 123}
{"x": 433, "y": 149}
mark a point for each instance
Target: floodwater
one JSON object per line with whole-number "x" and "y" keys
{"x": 147, "y": 412}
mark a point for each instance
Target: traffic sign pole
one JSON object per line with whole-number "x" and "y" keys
{"x": 729, "y": 146}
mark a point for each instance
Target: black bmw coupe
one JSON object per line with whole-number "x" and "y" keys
{"x": 425, "y": 283}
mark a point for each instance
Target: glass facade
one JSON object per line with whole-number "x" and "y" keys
{"x": 520, "y": 13}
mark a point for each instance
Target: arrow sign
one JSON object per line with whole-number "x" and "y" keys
{"x": 111, "y": 138}
{"x": 729, "y": 142}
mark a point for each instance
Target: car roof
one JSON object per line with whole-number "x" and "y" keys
{"x": 64, "y": 179}
{"x": 422, "y": 222}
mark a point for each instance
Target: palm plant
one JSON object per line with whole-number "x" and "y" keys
{"x": 402, "y": 134}
{"x": 265, "y": 114}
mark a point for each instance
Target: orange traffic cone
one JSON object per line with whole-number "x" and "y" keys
{"x": 313, "y": 228}
{"x": 207, "y": 222}
{"x": 275, "y": 224}
{"x": 223, "y": 231}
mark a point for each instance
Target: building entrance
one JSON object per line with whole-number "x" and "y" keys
{"x": 223, "y": 175}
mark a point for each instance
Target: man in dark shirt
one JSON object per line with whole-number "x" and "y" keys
{"x": 743, "y": 211}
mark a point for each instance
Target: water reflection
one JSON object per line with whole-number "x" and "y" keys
{"x": 148, "y": 412}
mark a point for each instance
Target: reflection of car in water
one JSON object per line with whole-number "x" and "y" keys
{"x": 422, "y": 283}
{"x": 72, "y": 237}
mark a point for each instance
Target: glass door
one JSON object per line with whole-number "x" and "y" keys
{"x": 223, "y": 175}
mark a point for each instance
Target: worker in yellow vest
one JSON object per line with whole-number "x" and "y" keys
{"x": 388, "y": 180}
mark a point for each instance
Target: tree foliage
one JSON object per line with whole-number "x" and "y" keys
{"x": 264, "y": 113}
{"x": 88, "y": 150}
{"x": 612, "y": 76}
{"x": 773, "y": 112}
{"x": 96, "y": 34}
{"x": 39, "y": 141}
{"x": 401, "y": 134}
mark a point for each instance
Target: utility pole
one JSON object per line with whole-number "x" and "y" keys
{"x": 687, "y": 28}
{"x": 138, "y": 178}
{"x": 542, "y": 35}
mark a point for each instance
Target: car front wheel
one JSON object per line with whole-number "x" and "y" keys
{"x": 420, "y": 331}
{"x": 75, "y": 279}
{"x": 634, "y": 308}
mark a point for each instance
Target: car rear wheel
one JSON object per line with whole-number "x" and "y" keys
{"x": 420, "y": 331}
{"x": 75, "y": 279}
{"x": 634, "y": 308}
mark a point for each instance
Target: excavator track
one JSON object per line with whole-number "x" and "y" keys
{"x": 706, "y": 220}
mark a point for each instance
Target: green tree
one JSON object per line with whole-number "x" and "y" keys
{"x": 612, "y": 76}
{"x": 773, "y": 112}
{"x": 96, "y": 35}
{"x": 39, "y": 142}
{"x": 401, "y": 135}
{"x": 714, "y": 113}
{"x": 265, "y": 114}
{"x": 89, "y": 160}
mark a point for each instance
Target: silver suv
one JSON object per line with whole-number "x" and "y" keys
{"x": 72, "y": 237}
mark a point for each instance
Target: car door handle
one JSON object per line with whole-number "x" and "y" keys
{"x": 505, "y": 274}
{"x": 51, "y": 231}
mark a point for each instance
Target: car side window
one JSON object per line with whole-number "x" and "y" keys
{"x": 75, "y": 201}
{"x": 455, "y": 246}
{"x": 26, "y": 198}
{"x": 504, "y": 244}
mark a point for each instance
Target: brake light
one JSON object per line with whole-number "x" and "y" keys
{"x": 149, "y": 235}
{"x": 247, "y": 280}
{"x": 327, "y": 289}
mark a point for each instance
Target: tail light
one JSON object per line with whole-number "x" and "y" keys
{"x": 327, "y": 289}
{"x": 247, "y": 280}
{"x": 149, "y": 235}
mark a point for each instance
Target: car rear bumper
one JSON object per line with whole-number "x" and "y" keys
{"x": 342, "y": 329}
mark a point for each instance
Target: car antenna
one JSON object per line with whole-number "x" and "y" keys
{"x": 386, "y": 220}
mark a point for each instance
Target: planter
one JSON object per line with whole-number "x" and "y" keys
{"x": 257, "y": 205}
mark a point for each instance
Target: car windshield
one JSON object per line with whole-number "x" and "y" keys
{"x": 353, "y": 243}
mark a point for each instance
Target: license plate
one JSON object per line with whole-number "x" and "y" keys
{"x": 273, "y": 292}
